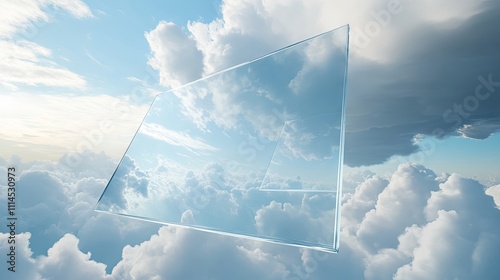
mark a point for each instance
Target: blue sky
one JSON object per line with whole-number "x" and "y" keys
{"x": 109, "y": 46}
{"x": 422, "y": 136}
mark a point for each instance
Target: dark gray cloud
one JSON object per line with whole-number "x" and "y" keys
{"x": 434, "y": 75}
{"x": 439, "y": 80}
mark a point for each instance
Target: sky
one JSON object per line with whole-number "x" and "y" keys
{"x": 421, "y": 183}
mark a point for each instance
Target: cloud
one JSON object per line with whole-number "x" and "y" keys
{"x": 19, "y": 17}
{"x": 389, "y": 226}
{"x": 442, "y": 213}
{"x": 251, "y": 103}
{"x": 128, "y": 180}
{"x": 406, "y": 77}
{"x": 67, "y": 124}
{"x": 65, "y": 258}
{"x": 213, "y": 198}
{"x": 26, "y": 63}
{"x": 26, "y": 267}
{"x": 174, "y": 55}
{"x": 59, "y": 200}
{"x": 173, "y": 137}
{"x": 364, "y": 199}
{"x": 75, "y": 7}
{"x": 284, "y": 219}
{"x": 424, "y": 97}
{"x": 480, "y": 130}
{"x": 166, "y": 255}
{"x": 437, "y": 249}
{"x": 494, "y": 191}
{"x": 413, "y": 225}
{"x": 242, "y": 33}
{"x": 311, "y": 139}
{"x": 412, "y": 186}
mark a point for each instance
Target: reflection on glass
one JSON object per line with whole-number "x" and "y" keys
{"x": 254, "y": 151}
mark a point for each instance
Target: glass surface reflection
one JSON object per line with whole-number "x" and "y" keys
{"x": 254, "y": 151}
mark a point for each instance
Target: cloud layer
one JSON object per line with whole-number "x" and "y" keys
{"x": 413, "y": 225}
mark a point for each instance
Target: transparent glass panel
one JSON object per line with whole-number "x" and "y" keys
{"x": 254, "y": 151}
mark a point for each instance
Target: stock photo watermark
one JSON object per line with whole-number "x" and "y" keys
{"x": 362, "y": 36}
{"x": 94, "y": 138}
{"x": 32, "y": 28}
{"x": 457, "y": 115}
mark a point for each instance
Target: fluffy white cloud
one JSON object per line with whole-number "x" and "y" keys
{"x": 398, "y": 206}
{"x": 446, "y": 222}
{"x": 174, "y": 55}
{"x": 65, "y": 258}
{"x": 26, "y": 267}
{"x": 362, "y": 200}
{"x": 494, "y": 191}
{"x": 415, "y": 225}
{"x": 251, "y": 28}
{"x": 57, "y": 199}
{"x": 168, "y": 255}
